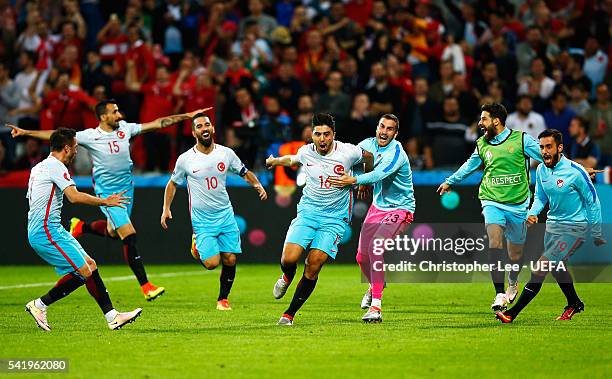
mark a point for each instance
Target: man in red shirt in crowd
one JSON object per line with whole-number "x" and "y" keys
{"x": 65, "y": 106}
{"x": 158, "y": 101}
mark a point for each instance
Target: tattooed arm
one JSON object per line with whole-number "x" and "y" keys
{"x": 164, "y": 122}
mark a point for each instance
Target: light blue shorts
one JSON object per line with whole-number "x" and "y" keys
{"x": 514, "y": 224}
{"x": 219, "y": 234}
{"x": 117, "y": 216}
{"x": 58, "y": 248}
{"x": 317, "y": 232}
{"x": 560, "y": 245}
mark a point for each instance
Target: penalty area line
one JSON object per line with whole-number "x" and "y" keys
{"x": 110, "y": 279}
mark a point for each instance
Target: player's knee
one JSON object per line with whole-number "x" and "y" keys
{"x": 229, "y": 259}
{"x": 496, "y": 242}
{"x": 85, "y": 271}
{"x": 515, "y": 256}
{"x": 211, "y": 263}
{"x": 92, "y": 265}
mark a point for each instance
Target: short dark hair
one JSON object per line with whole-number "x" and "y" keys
{"x": 584, "y": 123}
{"x": 392, "y": 117}
{"x": 496, "y": 110}
{"x": 62, "y": 137}
{"x": 196, "y": 116}
{"x": 101, "y": 107}
{"x": 557, "y": 135}
{"x": 324, "y": 119}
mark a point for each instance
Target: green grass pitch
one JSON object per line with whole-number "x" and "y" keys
{"x": 429, "y": 330}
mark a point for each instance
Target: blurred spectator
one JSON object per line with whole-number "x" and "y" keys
{"x": 9, "y": 96}
{"x": 574, "y": 74}
{"x": 9, "y": 100}
{"x": 467, "y": 101}
{"x": 583, "y": 150}
{"x": 528, "y": 50}
{"x": 351, "y": 81}
{"x": 447, "y": 135}
{"x": 275, "y": 123}
{"x": 33, "y": 155}
{"x": 95, "y": 74}
{"x": 578, "y": 100}
{"x": 600, "y": 117}
{"x": 256, "y": 14}
{"x": 595, "y": 61}
{"x": 26, "y": 82}
{"x": 384, "y": 98}
{"x": 304, "y": 110}
{"x": 157, "y": 102}
{"x": 341, "y": 27}
{"x": 113, "y": 43}
{"x": 167, "y": 29}
{"x": 559, "y": 115}
{"x": 65, "y": 105}
{"x": 537, "y": 83}
{"x": 69, "y": 37}
{"x": 334, "y": 101}
{"x": 484, "y": 78}
{"x": 421, "y": 108}
{"x": 444, "y": 86}
{"x": 525, "y": 119}
{"x": 309, "y": 59}
{"x": 507, "y": 66}
{"x": 286, "y": 86}
{"x": 5, "y": 164}
{"x": 244, "y": 127}
{"x": 419, "y": 160}
{"x": 360, "y": 125}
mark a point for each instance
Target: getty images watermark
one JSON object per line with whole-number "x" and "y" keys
{"x": 460, "y": 252}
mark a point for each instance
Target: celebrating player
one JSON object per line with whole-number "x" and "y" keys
{"x": 392, "y": 207}
{"x": 216, "y": 235}
{"x": 49, "y": 182}
{"x": 504, "y": 192}
{"x": 574, "y": 207}
{"x": 323, "y": 212}
{"x": 109, "y": 146}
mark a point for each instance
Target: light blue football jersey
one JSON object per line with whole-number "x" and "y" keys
{"x": 391, "y": 177}
{"x": 46, "y": 186}
{"x": 110, "y": 154}
{"x": 206, "y": 176}
{"x": 319, "y": 197}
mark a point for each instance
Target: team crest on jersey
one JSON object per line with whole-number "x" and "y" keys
{"x": 488, "y": 156}
{"x": 559, "y": 183}
{"x": 338, "y": 169}
{"x": 121, "y": 134}
{"x": 221, "y": 166}
{"x": 66, "y": 176}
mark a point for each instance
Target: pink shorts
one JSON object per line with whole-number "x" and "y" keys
{"x": 382, "y": 224}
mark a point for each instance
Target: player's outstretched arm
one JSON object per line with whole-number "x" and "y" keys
{"x": 114, "y": 200}
{"x": 285, "y": 160}
{"x": 44, "y": 135}
{"x": 463, "y": 172}
{"x": 251, "y": 178}
{"x": 164, "y": 122}
{"x": 169, "y": 193}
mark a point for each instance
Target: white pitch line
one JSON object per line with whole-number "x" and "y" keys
{"x": 111, "y": 279}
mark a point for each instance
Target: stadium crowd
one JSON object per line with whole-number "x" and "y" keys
{"x": 266, "y": 66}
